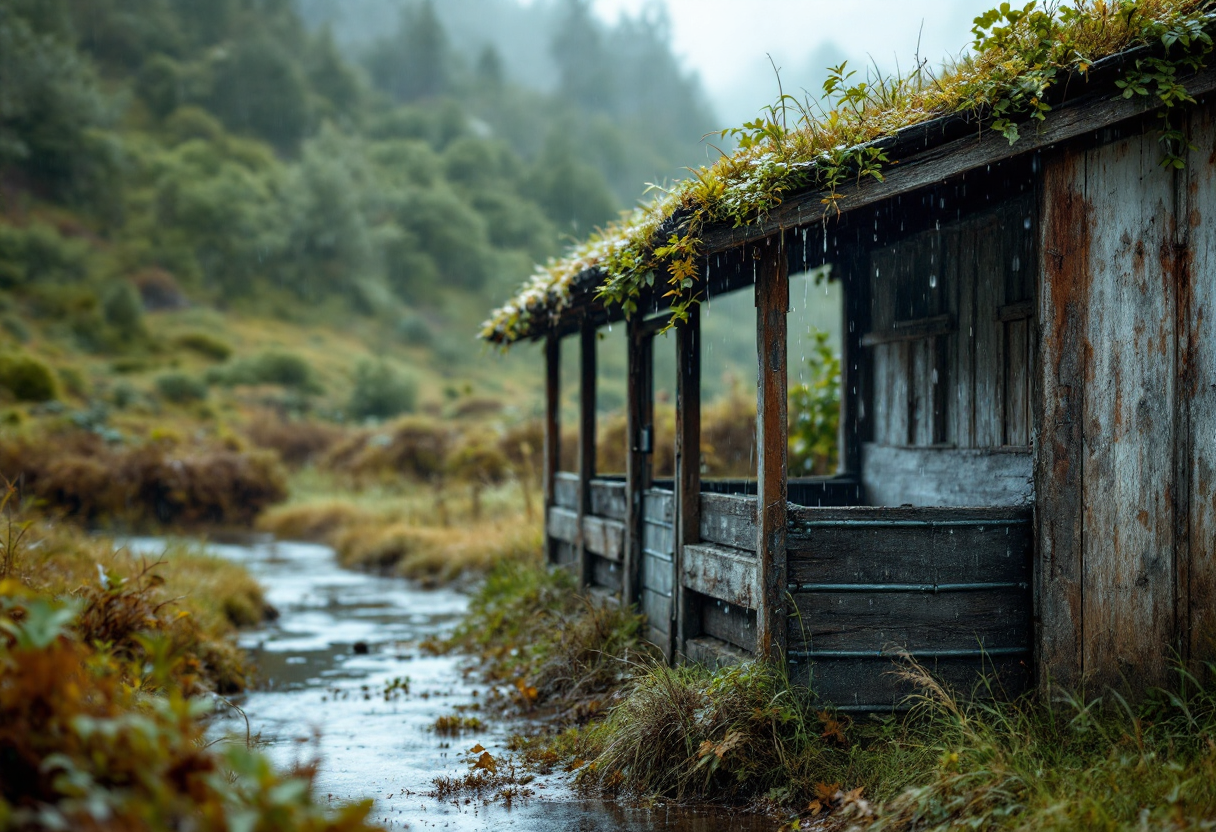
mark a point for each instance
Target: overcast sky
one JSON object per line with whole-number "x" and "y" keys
{"x": 725, "y": 41}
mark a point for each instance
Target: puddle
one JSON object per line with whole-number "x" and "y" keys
{"x": 319, "y": 695}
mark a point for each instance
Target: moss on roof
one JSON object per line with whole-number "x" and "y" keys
{"x": 1017, "y": 57}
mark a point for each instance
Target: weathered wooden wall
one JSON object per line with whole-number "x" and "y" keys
{"x": 950, "y": 586}
{"x": 951, "y": 347}
{"x": 1123, "y": 473}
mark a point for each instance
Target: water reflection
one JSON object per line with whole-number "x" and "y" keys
{"x": 331, "y": 670}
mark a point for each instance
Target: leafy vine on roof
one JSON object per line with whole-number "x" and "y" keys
{"x": 1017, "y": 56}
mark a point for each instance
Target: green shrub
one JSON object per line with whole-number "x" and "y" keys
{"x": 286, "y": 369}
{"x": 181, "y": 388}
{"x": 39, "y": 254}
{"x": 205, "y": 345}
{"x": 414, "y": 330}
{"x": 381, "y": 391}
{"x": 27, "y": 379}
{"x": 123, "y": 310}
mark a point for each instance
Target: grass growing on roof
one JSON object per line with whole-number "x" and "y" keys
{"x": 1018, "y": 56}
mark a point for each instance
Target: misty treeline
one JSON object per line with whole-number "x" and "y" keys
{"x": 240, "y": 150}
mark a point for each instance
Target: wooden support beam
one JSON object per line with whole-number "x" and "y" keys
{"x": 688, "y": 467}
{"x": 553, "y": 429}
{"x": 639, "y": 430}
{"x": 772, "y": 449}
{"x": 586, "y": 440}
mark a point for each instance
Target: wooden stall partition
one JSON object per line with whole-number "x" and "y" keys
{"x": 688, "y": 468}
{"x": 949, "y": 587}
{"x": 586, "y": 441}
{"x": 772, "y": 445}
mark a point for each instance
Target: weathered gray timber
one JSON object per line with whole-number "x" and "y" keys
{"x": 1027, "y": 485}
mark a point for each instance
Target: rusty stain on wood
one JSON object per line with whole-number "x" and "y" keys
{"x": 772, "y": 445}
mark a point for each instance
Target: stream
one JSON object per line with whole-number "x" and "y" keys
{"x": 330, "y": 673}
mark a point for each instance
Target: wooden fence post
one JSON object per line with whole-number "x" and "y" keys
{"x": 772, "y": 448}
{"x": 639, "y": 432}
{"x": 688, "y": 466}
{"x": 553, "y": 430}
{"x": 586, "y": 443}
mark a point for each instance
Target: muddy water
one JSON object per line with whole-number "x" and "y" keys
{"x": 323, "y": 695}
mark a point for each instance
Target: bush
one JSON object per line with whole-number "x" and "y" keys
{"x": 205, "y": 345}
{"x": 180, "y": 388}
{"x": 86, "y": 747}
{"x": 38, "y": 253}
{"x": 159, "y": 483}
{"x": 381, "y": 391}
{"x": 27, "y": 379}
{"x": 296, "y": 441}
{"x": 123, "y": 310}
{"x": 286, "y": 369}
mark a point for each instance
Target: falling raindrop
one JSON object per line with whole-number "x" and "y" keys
{"x": 1026, "y": 223}
{"x": 932, "y": 281}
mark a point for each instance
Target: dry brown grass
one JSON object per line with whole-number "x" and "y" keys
{"x": 434, "y": 554}
{"x": 297, "y": 441}
{"x": 318, "y": 521}
{"x": 163, "y": 482}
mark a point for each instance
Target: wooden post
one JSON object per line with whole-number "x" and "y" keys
{"x": 688, "y": 466}
{"x": 772, "y": 450}
{"x": 639, "y": 430}
{"x": 852, "y": 361}
{"x": 553, "y": 430}
{"x": 586, "y": 442}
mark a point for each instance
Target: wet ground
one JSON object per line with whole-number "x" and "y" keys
{"x": 333, "y": 670}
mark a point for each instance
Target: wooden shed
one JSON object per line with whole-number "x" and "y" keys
{"x": 1028, "y": 448}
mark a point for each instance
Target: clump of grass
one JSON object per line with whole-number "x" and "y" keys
{"x": 554, "y": 649}
{"x": 739, "y": 733}
{"x": 451, "y": 725}
{"x": 1076, "y": 764}
{"x": 317, "y": 521}
{"x": 437, "y": 554}
{"x": 177, "y": 387}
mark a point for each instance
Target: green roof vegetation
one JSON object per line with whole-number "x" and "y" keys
{"x": 1017, "y": 57}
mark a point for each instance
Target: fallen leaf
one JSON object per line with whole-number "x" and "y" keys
{"x": 485, "y": 761}
{"x": 477, "y": 749}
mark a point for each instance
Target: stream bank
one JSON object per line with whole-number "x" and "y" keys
{"x": 333, "y": 670}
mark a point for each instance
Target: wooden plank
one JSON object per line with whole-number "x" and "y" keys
{"x": 874, "y": 684}
{"x": 1059, "y": 470}
{"x": 606, "y": 575}
{"x": 996, "y": 619}
{"x": 715, "y": 653}
{"x": 991, "y": 257}
{"x": 1127, "y": 499}
{"x": 932, "y": 555}
{"x": 734, "y": 625}
{"x": 658, "y": 506}
{"x": 657, "y": 608}
{"x": 639, "y": 418}
{"x": 659, "y": 540}
{"x": 565, "y": 554}
{"x": 729, "y": 520}
{"x": 946, "y": 476}
{"x": 914, "y": 330}
{"x": 722, "y": 573}
{"x": 1197, "y": 375}
{"x": 586, "y": 435}
{"x": 605, "y": 538}
{"x": 688, "y": 463}
{"x": 564, "y": 525}
{"x": 608, "y": 499}
{"x": 985, "y": 147}
{"x": 959, "y": 249}
{"x": 772, "y": 445}
{"x": 1017, "y": 383}
{"x": 565, "y": 490}
{"x": 553, "y": 430}
{"x": 656, "y": 574}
